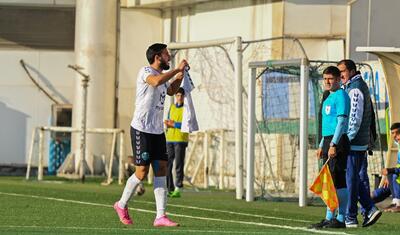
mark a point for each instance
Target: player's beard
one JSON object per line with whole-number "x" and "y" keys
{"x": 164, "y": 65}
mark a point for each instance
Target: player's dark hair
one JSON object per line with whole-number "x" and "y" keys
{"x": 395, "y": 126}
{"x": 350, "y": 65}
{"x": 333, "y": 70}
{"x": 154, "y": 50}
{"x": 181, "y": 91}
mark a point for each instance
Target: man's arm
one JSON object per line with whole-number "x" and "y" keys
{"x": 156, "y": 80}
{"x": 340, "y": 129}
{"x": 173, "y": 88}
{"x": 356, "y": 112}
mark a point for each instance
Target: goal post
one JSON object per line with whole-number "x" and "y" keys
{"x": 117, "y": 139}
{"x": 237, "y": 66}
{"x": 235, "y": 54}
{"x": 304, "y": 76}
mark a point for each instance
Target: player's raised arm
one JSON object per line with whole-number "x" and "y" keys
{"x": 156, "y": 80}
{"x": 160, "y": 62}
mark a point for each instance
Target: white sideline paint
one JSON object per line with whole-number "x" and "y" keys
{"x": 132, "y": 229}
{"x": 229, "y": 212}
{"x": 179, "y": 215}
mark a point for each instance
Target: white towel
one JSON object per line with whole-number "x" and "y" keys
{"x": 189, "y": 120}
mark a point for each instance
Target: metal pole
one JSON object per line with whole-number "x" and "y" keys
{"x": 251, "y": 136}
{"x": 121, "y": 157}
{"x": 40, "y": 165}
{"x": 303, "y": 132}
{"x": 205, "y": 169}
{"x": 84, "y": 83}
{"x": 28, "y": 169}
{"x": 110, "y": 164}
{"x": 221, "y": 160}
{"x": 83, "y": 132}
{"x": 238, "y": 120}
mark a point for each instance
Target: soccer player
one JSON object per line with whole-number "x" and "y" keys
{"x": 392, "y": 183}
{"x": 335, "y": 145}
{"x": 359, "y": 134}
{"x": 177, "y": 142}
{"x": 147, "y": 132}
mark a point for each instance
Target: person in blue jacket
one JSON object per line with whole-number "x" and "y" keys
{"x": 359, "y": 133}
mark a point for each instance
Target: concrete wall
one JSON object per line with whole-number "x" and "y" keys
{"x": 22, "y": 105}
{"x": 321, "y": 26}
{"x": 373, "y": 23}
{"x": 139, "y": 29}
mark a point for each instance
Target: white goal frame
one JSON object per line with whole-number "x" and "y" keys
{"x": 238, "y": 67}
{"x": 303, "y": 63}
{"x": 41, "y": 131}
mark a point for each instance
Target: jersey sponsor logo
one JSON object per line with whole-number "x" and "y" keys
{"x": 328, "y": 109}
{"x": 162, "y": 97}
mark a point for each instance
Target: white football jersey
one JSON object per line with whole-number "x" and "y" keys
{"x": 149, "y": 106}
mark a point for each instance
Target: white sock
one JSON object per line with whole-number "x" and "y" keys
{"x": 396, "y": 201}
{"x": 130, "y": 187}
{"x": 160, "y": 193}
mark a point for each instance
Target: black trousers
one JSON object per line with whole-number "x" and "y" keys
{"x": 338, "y": 164}
{"x": 176, "y": 152}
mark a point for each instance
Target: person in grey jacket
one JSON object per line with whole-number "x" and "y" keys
{"x": 359, "y": 132}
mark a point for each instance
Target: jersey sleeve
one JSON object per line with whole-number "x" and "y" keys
{"x": 145, "y": 72}
{"x": 342, "y": 103}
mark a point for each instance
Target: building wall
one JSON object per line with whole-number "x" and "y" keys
{"x": 321, "y": 26}
{"x": 139, "y": 28}
{"x": 373, "y": 23}
{"x": 22, "y": 105}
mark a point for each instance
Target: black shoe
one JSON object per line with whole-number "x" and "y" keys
{"x": 335, "y": 224}
{"x": 320, "y": 224}
{"x": 372, "y": 217}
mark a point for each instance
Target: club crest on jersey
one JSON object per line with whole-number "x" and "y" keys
{"x": 145, "y": 156}
{"x": 328, "y": 109}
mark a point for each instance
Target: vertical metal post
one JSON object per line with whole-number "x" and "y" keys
{"x": 121, "y": 157}
{"x": 85, "y": 82}
{"x": 41, "y": 151}
{"x": 82, "y": 149}
{"x": 238, "y": 119}
{"x": 110, "y": 164}
{"x": 30, "y": 154}
{"x": 221, "y": 160}
{"x": 251, "y": 136}
{"x": 303, "y": 132}
{"x": 205, "y": 170}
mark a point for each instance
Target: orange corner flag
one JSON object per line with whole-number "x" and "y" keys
{"x": 323, "y": 186}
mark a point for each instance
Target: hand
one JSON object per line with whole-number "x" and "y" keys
{"x": 179, "y": 76}
{"x": 332, "y": 152}
{"x": 319, "y": 153}
{"x": 169, "y": 123}
{"x": 384, "y": 171}
{"x": 182, "y": 65}
{"x": 385, "y": 183}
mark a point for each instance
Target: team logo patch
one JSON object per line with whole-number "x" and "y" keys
{"x": 145, "y": 156}
{"x": 328, "y": 109}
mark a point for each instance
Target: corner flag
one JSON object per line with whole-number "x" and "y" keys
{"x": 323, "y": 186}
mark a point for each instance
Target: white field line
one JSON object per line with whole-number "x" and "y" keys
{"x": 180, "y": 230}
{"x": 229, "y": 212}
{"x": 183, "y": 216}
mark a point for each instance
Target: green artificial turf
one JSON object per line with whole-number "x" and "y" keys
{"x": 69, "y": 207}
